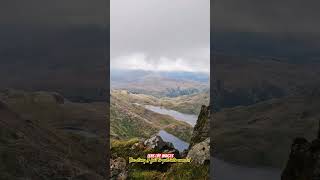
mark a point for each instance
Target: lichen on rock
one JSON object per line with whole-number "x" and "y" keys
{"x": 200, "y": 153}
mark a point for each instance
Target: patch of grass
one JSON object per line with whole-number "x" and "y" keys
{"x": 183, "y": 171}
{"x": 188, "y": 171}
{"x": 126, "y": 125}
{"x": 146, "y": 175}
{"x": 122, "y": 148}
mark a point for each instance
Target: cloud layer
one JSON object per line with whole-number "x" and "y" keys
{"x": 160, "y": 34}
{"x": 140, "y": 61}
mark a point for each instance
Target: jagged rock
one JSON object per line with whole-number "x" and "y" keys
{"x": 200, "y": 152}
{"x": 299, "y": 164}
{"x": 304, "y": 161}
{"x": 199, "y": 148}
{"x": 156, "y": 142}
{"x": 118, "y": 168}
{"x": 201, "y": 129}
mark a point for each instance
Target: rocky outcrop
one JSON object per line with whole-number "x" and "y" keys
{"x": 199, "y": 149}
{"x": 118, "y": 169}
{"x": 119, "y": 165}
{"x": 156, "y": 142}
{"x": 201, "y": 129}
{"x": 200, "y": 153}
{"x": 304, "y": 160}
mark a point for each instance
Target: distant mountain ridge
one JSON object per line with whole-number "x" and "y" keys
{"x": 131, "y": 75}
{"x": 170, "y": 84}
{"x": 242, "y": 80}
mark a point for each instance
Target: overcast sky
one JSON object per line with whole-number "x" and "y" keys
{"x": 163, "y": 35}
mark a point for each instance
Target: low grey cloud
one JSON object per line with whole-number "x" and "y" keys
{"x": 160, "y": 34}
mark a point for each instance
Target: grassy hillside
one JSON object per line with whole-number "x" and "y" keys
{"x": 130, "y": 123}
{"x": 123, "y": 149}
{"x": 35, "y": 145}
{"x": 189, "y": 104}
{"x": 45, "y": 108}
{"x": 261, "y": 134}
{"x": 130, "y": 120}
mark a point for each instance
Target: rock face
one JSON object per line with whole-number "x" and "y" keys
{"x": 304, "y": 161}
{"x": 201, "y": 129}
{"x": 199, "y": 149}
{"x": 156, "y": 142}
{"x": 118, "y": 169}
{"x": 200, "y": 153}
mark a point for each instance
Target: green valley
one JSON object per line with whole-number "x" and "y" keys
{"x": 129, "y": 119}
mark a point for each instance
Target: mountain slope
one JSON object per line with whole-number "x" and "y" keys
{"x": 261, "y": 134}
{"x": 245, "y": 80}
{"x": 33, "y": 147}
{"x": 130, "y": 120}
{"x": 189, "y": 104}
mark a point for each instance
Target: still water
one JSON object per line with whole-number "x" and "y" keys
{"x": 221, "y": 170}
{"x": 188, "y": 118}
{"x": 177, "y": 143}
